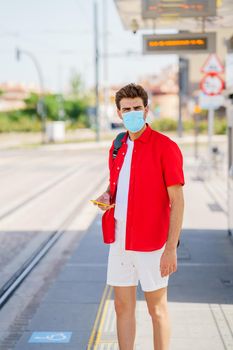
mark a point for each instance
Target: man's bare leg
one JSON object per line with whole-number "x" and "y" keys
{"x": 158, "y": 309}
{"x": 125, "y": 304}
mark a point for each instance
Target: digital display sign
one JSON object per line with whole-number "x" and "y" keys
{"x": 182, "y": 8}
{"x": 179, "y": 43}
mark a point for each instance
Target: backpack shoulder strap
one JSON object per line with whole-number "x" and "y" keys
{"x": 118, "y": 143}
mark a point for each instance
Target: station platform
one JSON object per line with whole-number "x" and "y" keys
{"x": 77, "y": 312}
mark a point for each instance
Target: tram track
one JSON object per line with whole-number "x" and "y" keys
{"x": 43, "y": 190}
{"x": 10, "y": 286}
{"x": 10, "y": 166}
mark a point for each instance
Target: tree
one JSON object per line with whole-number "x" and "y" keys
{"x": 76, "y": 84}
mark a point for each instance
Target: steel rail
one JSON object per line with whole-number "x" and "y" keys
{"x": 9, "y": 287}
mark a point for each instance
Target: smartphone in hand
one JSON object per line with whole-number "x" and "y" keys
{"x": 101, "y": 203}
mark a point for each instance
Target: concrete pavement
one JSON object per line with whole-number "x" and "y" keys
{"x": 200, "y": 293}
{"x": 77, "y": 300}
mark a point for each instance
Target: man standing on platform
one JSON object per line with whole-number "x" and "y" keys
{"x": 145, "y": 197}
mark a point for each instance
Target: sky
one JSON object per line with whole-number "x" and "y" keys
{"x": 60, "y": 34}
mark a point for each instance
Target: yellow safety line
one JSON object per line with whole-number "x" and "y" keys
{"x": 93, "y": 333}
{"x": 103, "y": 317}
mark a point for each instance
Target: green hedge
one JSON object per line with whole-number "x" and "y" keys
{"x": 28, "y": 120}
{"x": 168, "y": 124}
{"x": 18, "y": 122}
{"x": 23, "y": 123}
{"x": 73, "y": 110}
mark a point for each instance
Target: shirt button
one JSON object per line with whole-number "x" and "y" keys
{"x": 118, "y": 168}
{"x": 123, "y": 154}
{"x": 114, "y": 183}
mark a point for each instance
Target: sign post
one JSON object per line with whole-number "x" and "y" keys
{"x": 210, "y": 133}
{"x": 211, "y": 98}
{"x": 196, "y": 116}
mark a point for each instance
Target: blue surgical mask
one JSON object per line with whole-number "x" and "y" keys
{"x": 133, "y": 120}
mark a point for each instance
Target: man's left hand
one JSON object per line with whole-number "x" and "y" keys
{"x": 168, "y": 262}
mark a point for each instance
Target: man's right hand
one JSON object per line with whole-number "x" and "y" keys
{"x": 104, "y": 198}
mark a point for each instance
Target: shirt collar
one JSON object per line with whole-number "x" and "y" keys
{"x": 144, "y": 137}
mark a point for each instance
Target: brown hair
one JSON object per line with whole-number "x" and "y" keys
{"x": 131, "y": 91}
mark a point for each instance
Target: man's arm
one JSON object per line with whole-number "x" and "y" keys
{"x": 168, "y": 261}
{"x": 176, "y": 215}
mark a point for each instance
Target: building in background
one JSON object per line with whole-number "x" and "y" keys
{"x": 162, "y": 89}
{"x": 12, "y": 95}
{"x": 163, "y": 92}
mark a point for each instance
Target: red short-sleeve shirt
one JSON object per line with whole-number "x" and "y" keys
{"x": 157, "y": 163}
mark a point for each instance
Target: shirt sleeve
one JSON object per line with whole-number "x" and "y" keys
{"x": 172, "y": 163}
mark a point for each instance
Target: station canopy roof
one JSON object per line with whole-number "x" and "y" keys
{"x": 131, "y": 11}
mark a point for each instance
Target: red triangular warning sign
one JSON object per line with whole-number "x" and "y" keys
{"x": 212, "y": 65}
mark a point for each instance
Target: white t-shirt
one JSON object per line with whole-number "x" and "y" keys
{"x": 121, "y": 203}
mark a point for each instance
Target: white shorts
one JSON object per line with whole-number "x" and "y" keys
{"x": 126, "y": 267}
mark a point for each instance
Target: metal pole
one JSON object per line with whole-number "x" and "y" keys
{"x": 210, "y": 133}
{"x": 179, "y": 129}
{"x": 105, "y": 61}
{"x": 96, "y": 45}
{"x": 41, "y": 81}
{"x": 196, "y": 131}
